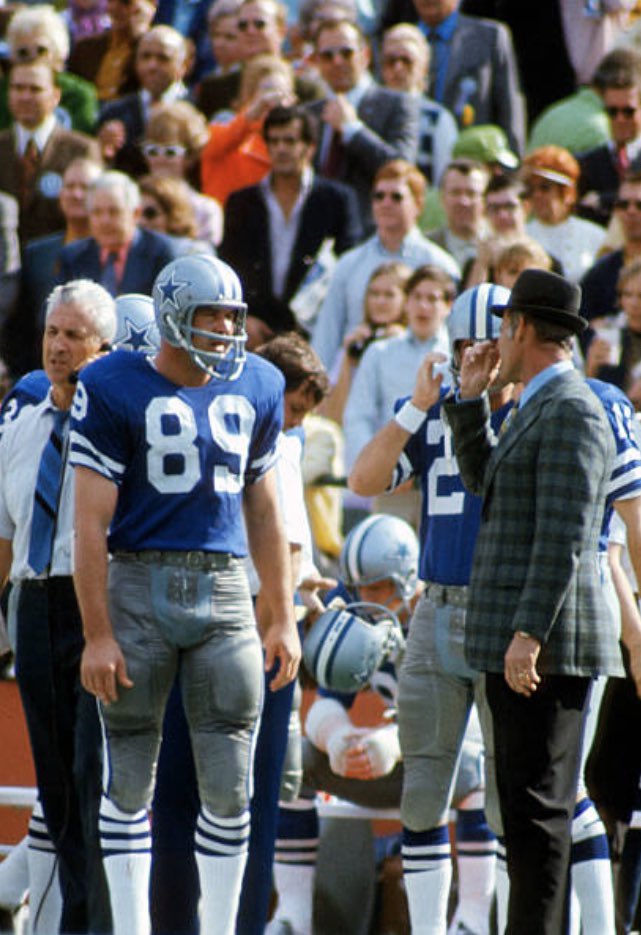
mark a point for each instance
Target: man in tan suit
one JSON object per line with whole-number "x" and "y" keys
{"x": 35, "y": 152}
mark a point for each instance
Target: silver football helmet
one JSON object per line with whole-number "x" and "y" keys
{"x": 471, "y": 318}
{"x": 136, "y": 329}
{"x": 381, "y": 547}
{"x": 345, "y": 647}
{"x": 200, "y": 281}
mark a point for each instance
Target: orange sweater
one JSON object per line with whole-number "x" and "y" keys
{"x": 234, "y": 157}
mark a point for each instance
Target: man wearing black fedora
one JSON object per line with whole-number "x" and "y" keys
{"x": 538, "y": 623}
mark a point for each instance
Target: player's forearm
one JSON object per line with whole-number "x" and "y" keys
{"x": 95, "y": 503}
{"x": 374, "y": 467}
{"x": 90, "y": 581}
{"x": 630, "y": 617}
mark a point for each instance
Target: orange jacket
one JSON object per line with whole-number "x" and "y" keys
{"x": 234, "y": 157}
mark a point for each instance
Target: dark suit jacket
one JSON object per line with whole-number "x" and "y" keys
{"x": 219, "y": 92}
{"x": 129, "y": 110}
{"x": 599, "y": 173}
{"x": 88, "y": 53}
{"x": 481, "y": 51}
{"x": 329, "y": 211}
{"x": 536, "y": 565}
{"x": 42, "y": 215}
{"x": 390, "y": 131}
{"x": 148, "y": 254}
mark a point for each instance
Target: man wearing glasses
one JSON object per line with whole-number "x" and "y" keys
{"x": 262, "y": 26}
{"x": 364, "y": 125}
{"x": 397, "y": 201}
{"x": 599, "y": 284}
{"x": 603, "y": 167}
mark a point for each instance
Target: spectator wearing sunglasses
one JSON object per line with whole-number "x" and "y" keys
{"x": 363, "y": 124}
{"x": 397, "y": 198}
{"x": 262, "y": 27}
{"x": 551, "y": 175}
{"x": 603, "y": 167}
{"x": 599, "y": 284}
{"x": 165, "y": 207}
{"x": 161, "y": 59}
{"x": 108, "y": 60}
{"x": 174, "y": 137}
{"x": 405, "y": 63}
{"x": 38, "y": 33}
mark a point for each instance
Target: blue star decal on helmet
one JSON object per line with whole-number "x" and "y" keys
{"x": 138, "y": 338}
{"x": 169, "y": 290}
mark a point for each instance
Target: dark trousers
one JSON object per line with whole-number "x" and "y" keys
{"x": 66, "y": 744}
{"x": 537, "y": 744}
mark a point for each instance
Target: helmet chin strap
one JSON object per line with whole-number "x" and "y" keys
{"x": 195, "y": 355}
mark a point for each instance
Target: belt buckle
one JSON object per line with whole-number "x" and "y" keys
{"x": 194, "y": 559}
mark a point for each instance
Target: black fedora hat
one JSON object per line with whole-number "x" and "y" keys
{"x": 547, "y": 296}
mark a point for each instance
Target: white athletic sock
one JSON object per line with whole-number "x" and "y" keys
{"x": 592, "y": 871}
{"x": 502, "y": 887}
{"x": 125, "y": 839}
{"x": 45, "y": 898}
{"x": 476, "y": 861}
{"x": 427, "y": 872}
{"x": 295, "y": 863}
{"x": 221, "y": 855}
{"x": 14, "y": 877}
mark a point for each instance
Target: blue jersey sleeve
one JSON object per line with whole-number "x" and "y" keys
{"x": 181, "y": 456}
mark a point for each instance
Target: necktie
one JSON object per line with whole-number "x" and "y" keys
{"x": 623, "y": 161}
{"x": 436, "y": 54}
{"x": 29, "y": 164}
{"x": 45, "y": 504}
{"x": 108, "y": 277}
{"x": 333, "y": 164}
{"x": 508, "y": 421}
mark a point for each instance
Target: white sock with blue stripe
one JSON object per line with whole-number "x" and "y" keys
{"x": 476, "y": 861}
{"x": 591, "y": 870}
{"x": 125, "y": 840}
{"x": 295, "y": 863}
{"x": 427, "y": 872}
{"x": 221, "y": 854}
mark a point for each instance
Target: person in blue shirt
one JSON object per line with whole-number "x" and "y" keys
{"x": 169, "y": 453}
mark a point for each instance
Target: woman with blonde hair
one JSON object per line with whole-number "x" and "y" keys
{"x": 175, "y": 135}
{"x": 236, "y": 154}
{"x": 165, "y": 207}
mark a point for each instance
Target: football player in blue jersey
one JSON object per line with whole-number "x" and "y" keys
{"x": 434, "y": 676}
{"x": 343, "y": 652}
{"x": 170, "y": 452}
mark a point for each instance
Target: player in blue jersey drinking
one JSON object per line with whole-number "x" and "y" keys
{"x": 169, "y": 453}
{"x": 435, "y": 677}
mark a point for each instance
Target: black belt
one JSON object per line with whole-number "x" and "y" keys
{"x": 200, "y": 561}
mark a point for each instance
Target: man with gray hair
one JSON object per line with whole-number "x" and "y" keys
{"x": 36, "y": 535}
{"x": 118, "y": 254}
{"x": 161, "y": 62}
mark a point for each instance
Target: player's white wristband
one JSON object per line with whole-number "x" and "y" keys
{"x": 410, "y": 417}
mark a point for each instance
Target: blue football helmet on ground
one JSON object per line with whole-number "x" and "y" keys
{"x": 381, "y": 547}
{"x": 346, "y": 646}
{"x": 137, "y": 329}
{"x": 200, "y": 281}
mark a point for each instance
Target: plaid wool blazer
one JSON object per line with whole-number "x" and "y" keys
{"x": 536, "y": 564}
